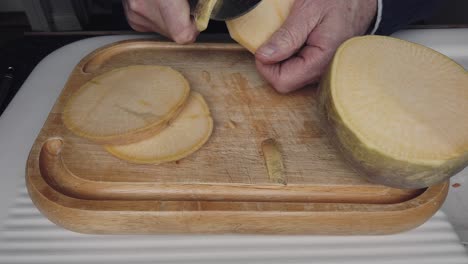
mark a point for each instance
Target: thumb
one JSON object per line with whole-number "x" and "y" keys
{"x": 291, "y": 36}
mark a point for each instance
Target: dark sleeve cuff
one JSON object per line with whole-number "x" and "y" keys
{"x": 397, "y": 14}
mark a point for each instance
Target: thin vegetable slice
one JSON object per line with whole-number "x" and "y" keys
{"x": 202, "y": 13}
{"x": 273, "y": 161}
{"x": 257, "y": 26}
{"x": 185, "y": 135}
{"x": 398, "y": 111}
{"x": 126, "y": 104}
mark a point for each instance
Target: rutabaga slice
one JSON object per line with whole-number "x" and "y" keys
{"x": 126, "y": 104}
{"x": 202, "y": 13}
{"x": 257, "y": 26}
{"x": 186, "y": 134}
{"x": 398, "y": 111}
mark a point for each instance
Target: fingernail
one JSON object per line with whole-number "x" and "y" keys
{"x": 267, "y": 50}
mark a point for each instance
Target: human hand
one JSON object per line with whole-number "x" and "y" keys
{"x": 170, "y": 18}
{"x": 299, "y": 52}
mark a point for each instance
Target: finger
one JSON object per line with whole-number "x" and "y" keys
{"x": 139, "y": 22}
{"x": 331, "y": 33}
{"x": 177, "y": 19}
{"x": 292, "y": 35}
{"x": 140, "y": 28}
{"x": 310, "y": 63}
{"x": 296, "y": 72}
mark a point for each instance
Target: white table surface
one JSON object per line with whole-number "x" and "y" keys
{"x": 454, "y": 44}
{"x": 24, "y": 117}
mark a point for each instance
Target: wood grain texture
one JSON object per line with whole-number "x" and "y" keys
{"x": 224, "y": 187}
{"x": 222, "y": 217}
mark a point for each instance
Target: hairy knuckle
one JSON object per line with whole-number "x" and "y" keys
{"x": 286, "y": 38}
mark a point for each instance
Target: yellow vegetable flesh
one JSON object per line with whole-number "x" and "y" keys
{"x": 186, "y": 134}
{"x": 398, "y": 111}
{"x": 202, "y": 13}
{"x": 257, "y": 26}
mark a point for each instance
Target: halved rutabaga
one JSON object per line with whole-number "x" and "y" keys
{"x": 126, "y": 104}
{"x": 257, "y": 26}
{"x": 186, "y": 134}
{"x": 398, "y": 111}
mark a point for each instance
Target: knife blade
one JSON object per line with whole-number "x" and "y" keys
{"x": 227, "y": 9}
{"x": 6, "y": 84}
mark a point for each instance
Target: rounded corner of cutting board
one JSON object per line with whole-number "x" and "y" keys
{"x": 92, "y": 62}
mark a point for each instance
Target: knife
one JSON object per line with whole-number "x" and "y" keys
{"x": 221, "y": 10}
{"x": 6, "y": 83}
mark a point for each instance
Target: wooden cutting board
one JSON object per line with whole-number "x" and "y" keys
{"x": 225, "y": 187}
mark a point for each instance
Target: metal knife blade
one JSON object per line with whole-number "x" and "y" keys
{"x": 229, "y": 9}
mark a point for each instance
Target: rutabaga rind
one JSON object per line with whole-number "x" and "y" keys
{"x": 374, "y": 165}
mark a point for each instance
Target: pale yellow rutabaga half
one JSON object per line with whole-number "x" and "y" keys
{"x": 257, "y": 26}
{"x": 126, "y": 104}
{"x": 398, "y": 111}
{"x": 187, "y": 133}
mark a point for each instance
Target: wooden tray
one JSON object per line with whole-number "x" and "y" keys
{"x": 224, "y": 187}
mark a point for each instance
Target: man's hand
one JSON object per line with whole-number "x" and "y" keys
{"x": 170, "y": 18}
{"x": 299, "y": 52}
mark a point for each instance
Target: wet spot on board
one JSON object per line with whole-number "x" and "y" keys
{"x": 206, "y": 76}
{"x": 144, "y": 103}
{"x": 231, "y": 124}
{"x": 241, "y": 84}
